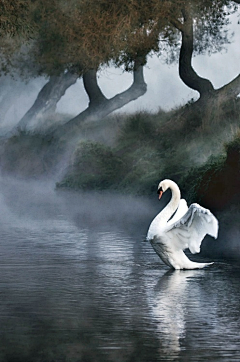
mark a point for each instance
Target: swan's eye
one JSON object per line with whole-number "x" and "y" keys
{"x": 160, "y": 190}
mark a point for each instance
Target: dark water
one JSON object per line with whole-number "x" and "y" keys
{"x": 77, "y": 283}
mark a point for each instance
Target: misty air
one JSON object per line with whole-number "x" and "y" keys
{"x": 119, "y": 181}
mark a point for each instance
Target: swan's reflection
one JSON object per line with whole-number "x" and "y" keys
{"x": 171, "y": 296}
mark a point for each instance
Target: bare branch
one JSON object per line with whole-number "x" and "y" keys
{"x": 177, "y": 24}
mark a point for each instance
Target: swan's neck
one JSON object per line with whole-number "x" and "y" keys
{"x": 172, "y": 206}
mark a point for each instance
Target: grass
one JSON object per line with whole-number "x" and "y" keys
{"x": 131, "y": 154}
{"x": 93, "y": 166}
{"x": 150, "y": 147}
{"x": 216, "y": 183}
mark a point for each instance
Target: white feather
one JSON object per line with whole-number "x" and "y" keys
{"x": 186, "y": 229}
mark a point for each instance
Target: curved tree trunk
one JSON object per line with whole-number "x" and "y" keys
{"x": 100, "y": 106}
{"x": 95, "y": 95}
{"x": 186, "y": 71}
{"x": 47, "y": 98}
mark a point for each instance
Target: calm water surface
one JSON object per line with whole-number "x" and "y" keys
{"x": 78, "y": 283}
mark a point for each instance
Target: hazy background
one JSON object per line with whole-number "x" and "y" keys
{"x": 164, "y": 87}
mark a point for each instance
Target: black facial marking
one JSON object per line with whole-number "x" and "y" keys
{"x": 159, "y": 190}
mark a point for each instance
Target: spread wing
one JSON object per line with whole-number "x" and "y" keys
{"x": 189, "y": 231}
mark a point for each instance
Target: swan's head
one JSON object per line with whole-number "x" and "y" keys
{"x": 163, "y": 186}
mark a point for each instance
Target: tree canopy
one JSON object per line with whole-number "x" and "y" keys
{"x": 14, "y": 17}
{"x": 78, "y": 37}
{"x": 15, "y": 25}
{"x": 86, "y": 34}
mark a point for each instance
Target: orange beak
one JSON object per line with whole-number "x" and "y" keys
{"x": 160, "y": 195}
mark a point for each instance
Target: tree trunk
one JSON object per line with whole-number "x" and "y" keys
{"x": 99, "y": 105}
{"x": 95, "y": 95}
{"x": 47, "y": 98}
{"x": 186, "y": 71}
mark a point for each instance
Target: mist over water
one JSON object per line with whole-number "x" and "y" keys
{"x": 79, "y": 284}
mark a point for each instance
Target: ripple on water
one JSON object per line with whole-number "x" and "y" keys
{"x": 76, "y": 292}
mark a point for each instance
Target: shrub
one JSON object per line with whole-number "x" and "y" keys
{"x": 217, "y": 183}
{"x": 143, "y": 171}
{"x": 94, "y": 166}
{"x": 191, "y": 183}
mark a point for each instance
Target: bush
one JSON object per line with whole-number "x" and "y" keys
{"x": 195, "y": 179}
{"x": 143, "y": 170}
{"x": 216, "y": 184}
{"x": 140, "y": 127}
{"x": 94, "y": 166}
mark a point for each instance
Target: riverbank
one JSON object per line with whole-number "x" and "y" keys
{"x": 130, "y": 153}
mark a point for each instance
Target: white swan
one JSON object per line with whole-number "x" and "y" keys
{"x": 186, "y": 229}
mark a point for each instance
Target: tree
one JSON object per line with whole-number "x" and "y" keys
{"x": 14, "y": 17}
{"x": 202, "y": 27}
{"x": 201, "y": 24}
{"x": 99, "y": 106}
{"x": 47, "y": 99}
{"x": 15, "y": 26}
{"x": 69, "y": 47}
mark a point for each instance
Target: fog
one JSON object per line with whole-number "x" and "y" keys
{"x": 165, "y": 90}
{"x": 78, "y": 282}
{"x": 29, "y": 201}
{"x": 78, "y": 279}
{"x": 26, "y": 203}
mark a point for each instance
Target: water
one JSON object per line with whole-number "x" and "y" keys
{"x": 77, "y": 283}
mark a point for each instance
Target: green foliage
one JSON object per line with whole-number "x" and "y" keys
{"x": 139, "y": 128}
{"x": 130, "y": 165}
{"x": 79, "y": 35}
{"x": 141, "y": 157}
{"x": 14, "y": 17}
{"x": 151, "y": 147}
{"x": 139, "y": 147}
{"x": 16, "y": 29}
{"x": 131, "y": 154}
{"x": 234, "y": 145}
{"x": 219, "y": 170}
{"x": 190, "y": 182}
{"x": 142, "y": 171}
{"x": 94, "y": 166}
